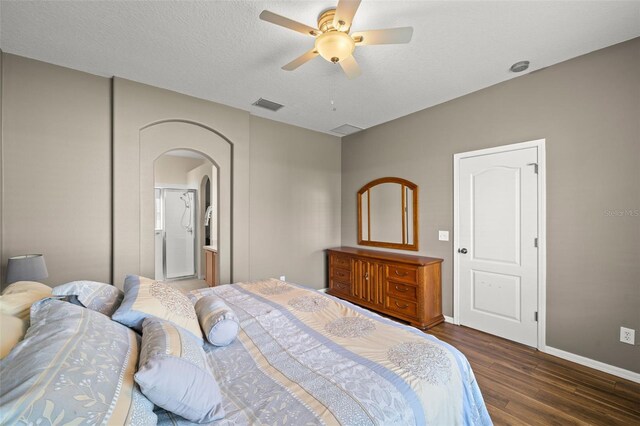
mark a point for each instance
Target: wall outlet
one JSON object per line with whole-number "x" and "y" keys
{"x": 283, "y": 278}
{"x": 628, "y": 335}
{"x": 443, "y": 235}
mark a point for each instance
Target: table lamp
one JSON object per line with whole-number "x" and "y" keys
{"x": 28, "y": 267}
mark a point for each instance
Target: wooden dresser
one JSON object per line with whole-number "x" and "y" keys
{"x": 402, "y": 286}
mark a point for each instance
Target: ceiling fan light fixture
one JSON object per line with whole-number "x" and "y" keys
{"x": 334, "y": 46}
{"x": 332, "y": 39}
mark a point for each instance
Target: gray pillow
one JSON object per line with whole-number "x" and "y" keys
{"x": 219, "y": 323}
{"x": 173, "y": 373}
{"x": 94, "y": 295}
{"x": 74, "y": 366}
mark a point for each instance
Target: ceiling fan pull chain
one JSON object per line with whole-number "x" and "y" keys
{"x": 333, "y": 95}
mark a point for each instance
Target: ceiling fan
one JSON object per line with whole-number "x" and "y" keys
{"x": 333, "y": 41}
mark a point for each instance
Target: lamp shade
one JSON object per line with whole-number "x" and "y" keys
{"x": 29, "y": 267}
{"x": 334, "y": 46}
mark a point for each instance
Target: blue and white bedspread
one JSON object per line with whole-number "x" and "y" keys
{"x": 306, "y": 358}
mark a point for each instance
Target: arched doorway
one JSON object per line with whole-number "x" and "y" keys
{"x": 185, "y": 187}
{"x": 160, "y": 138}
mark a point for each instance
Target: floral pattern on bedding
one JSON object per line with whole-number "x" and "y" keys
{"x": 303, "y": 357}
{"x": 75, "y": 366}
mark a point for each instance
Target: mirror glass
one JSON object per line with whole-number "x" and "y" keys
{"x": 408, "y": 219}
{"x": 388, "y": 214}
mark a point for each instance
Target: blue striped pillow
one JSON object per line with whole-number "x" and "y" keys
{"x": 173, "y": 372}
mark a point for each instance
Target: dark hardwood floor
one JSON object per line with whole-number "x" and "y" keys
{"x": 522, "y": 386}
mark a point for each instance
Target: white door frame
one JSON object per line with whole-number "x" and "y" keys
{"x": 542, "y": 229}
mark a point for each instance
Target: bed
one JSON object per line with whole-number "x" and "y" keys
{"x": 302, "y": 357}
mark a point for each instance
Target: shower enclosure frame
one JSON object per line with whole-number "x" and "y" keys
{"x": 164, "y": 233}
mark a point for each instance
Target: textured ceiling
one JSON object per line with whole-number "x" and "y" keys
{"x": 221, "y": 51}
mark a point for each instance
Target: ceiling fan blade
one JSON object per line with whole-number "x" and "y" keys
{"x": 288, "y": 23}
{"x": 344, "y": 12}
{"x": 300, "y": 60}
{"x": 350, "y": 67}
{"x": 388, "y": 36}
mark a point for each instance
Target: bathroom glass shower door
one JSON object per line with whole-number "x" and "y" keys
{"x": 179, "y": 226}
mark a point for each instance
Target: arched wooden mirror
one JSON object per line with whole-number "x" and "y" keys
{"x": 388, "y": 214}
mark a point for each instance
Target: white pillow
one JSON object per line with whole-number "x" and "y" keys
{"x": 16, "y": 300}
{"x": 12, "y": 330}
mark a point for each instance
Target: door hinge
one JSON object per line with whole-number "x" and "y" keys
{"x": 535, "y": 316}
{"x": 535, "y": 242}
{"x": 535, "y": 167}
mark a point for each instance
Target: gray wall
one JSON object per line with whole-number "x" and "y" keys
{"x": 170, "y": 169}
{"x": 588, "y": 109}
{"x": 57, "y": 175}
{"x": 295, "y": 191}
{"x": 148, "y": 122}
{"x": 56, "y": 167}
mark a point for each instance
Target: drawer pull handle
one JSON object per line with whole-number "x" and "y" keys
{"x": 401, "y": 274}
{"x": 405, "y": 306}
{"x": 402, "y": 289}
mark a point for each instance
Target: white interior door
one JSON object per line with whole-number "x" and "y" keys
{"x": 497, "y": 244}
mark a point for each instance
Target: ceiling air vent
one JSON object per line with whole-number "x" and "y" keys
{"x": 270, "y": 105}
{"x": 346, "y": 129}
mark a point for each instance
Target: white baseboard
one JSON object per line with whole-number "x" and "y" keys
{"x": 587, "y": 362}
{"x": 592, "y": 363}
{"x": 323, "y": 290}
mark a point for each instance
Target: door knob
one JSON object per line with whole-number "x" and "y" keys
{"x": 462, "y": 250}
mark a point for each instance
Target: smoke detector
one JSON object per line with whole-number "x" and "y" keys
{"x": 519, "y": 66}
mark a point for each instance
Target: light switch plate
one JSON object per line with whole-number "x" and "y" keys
{"x": 443, "y": 235}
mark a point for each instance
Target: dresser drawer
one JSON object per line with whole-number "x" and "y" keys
{"x": 343, "y": 262}
{"x": 404, "y": 291}
{"x": 401, "y": 306}
{"x": 397, "y": 285}
{"x": 399, "y": 273}
{"x": 340, "y": 286}
{"x": 340, "y": 274}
